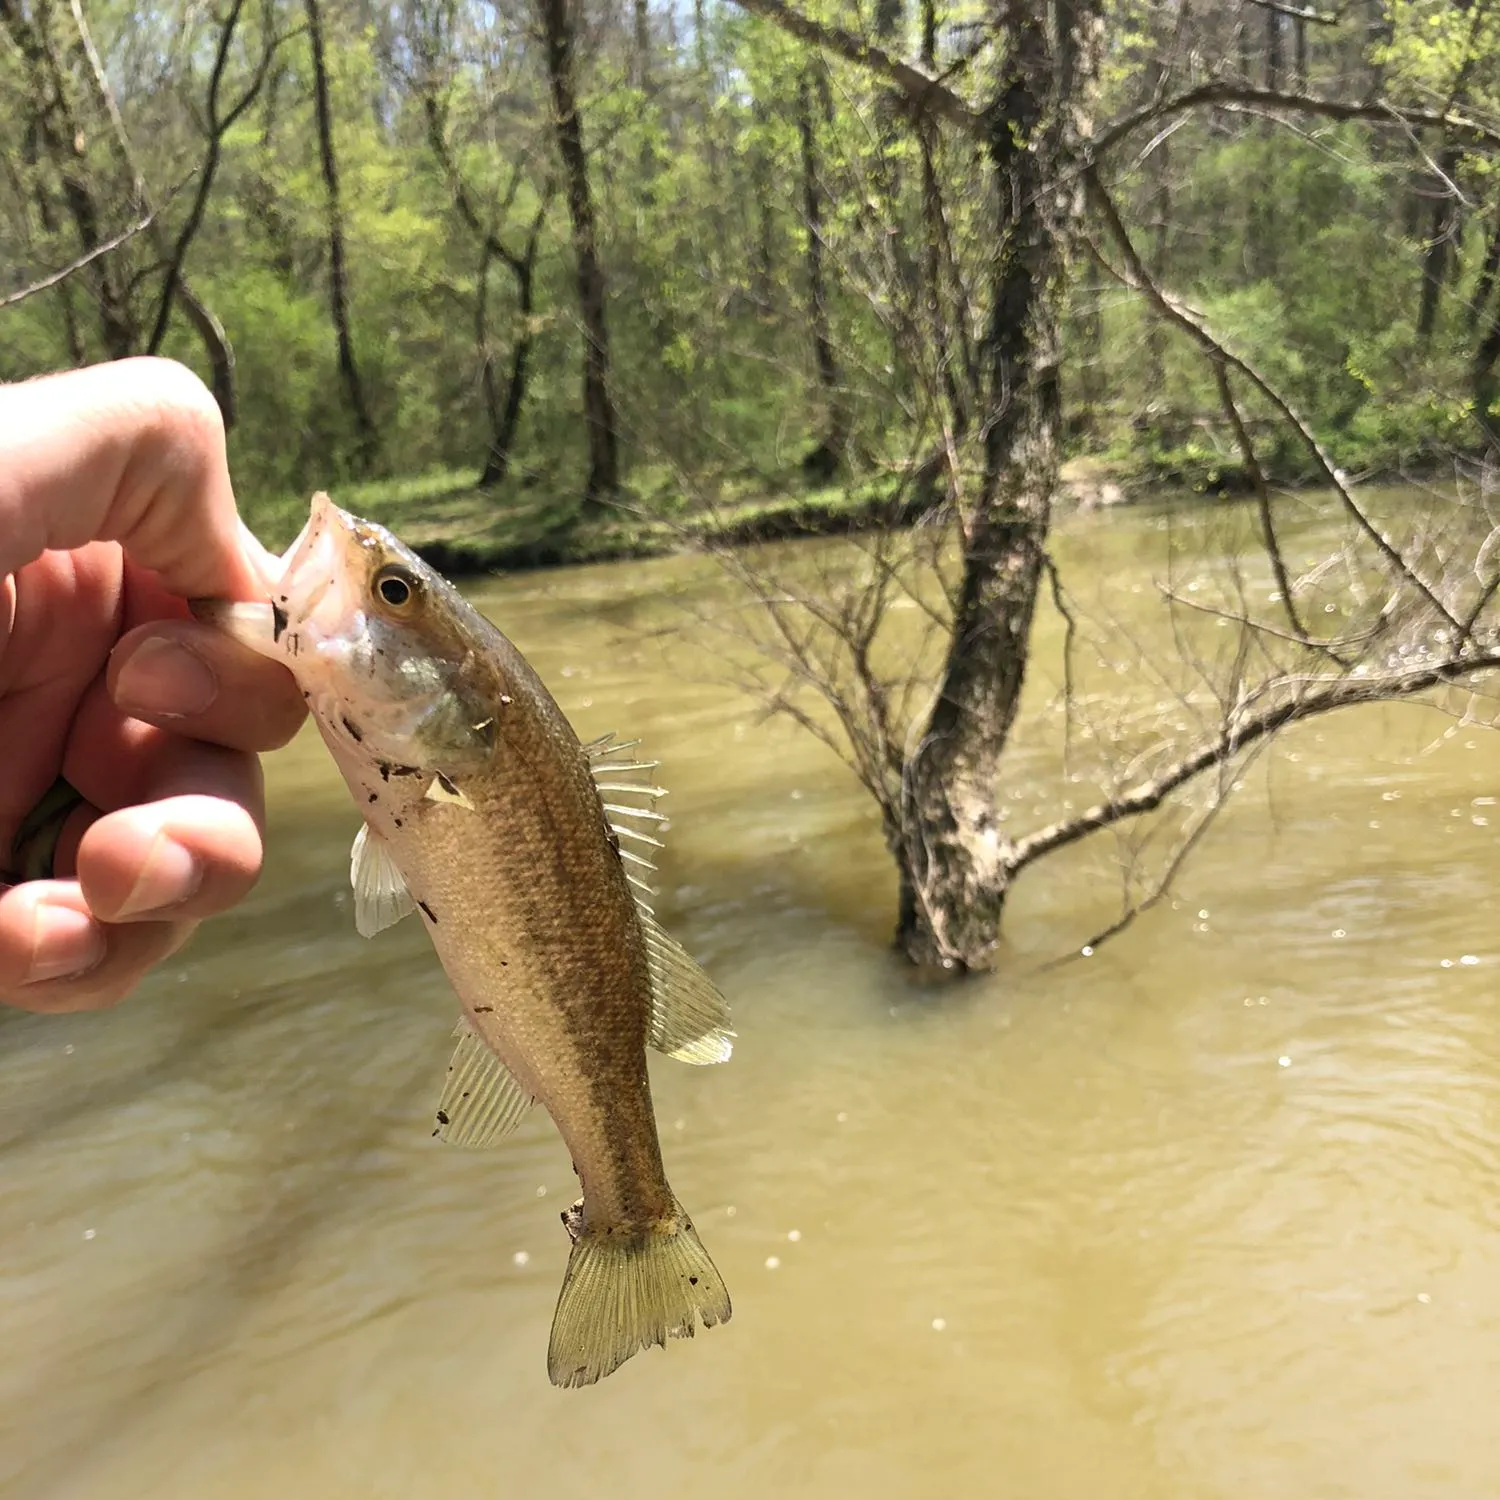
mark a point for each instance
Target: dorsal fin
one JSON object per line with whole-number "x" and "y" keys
{"x": 689, "y": 1017}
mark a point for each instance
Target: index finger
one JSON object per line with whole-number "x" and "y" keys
{"x": 130, "y": 452}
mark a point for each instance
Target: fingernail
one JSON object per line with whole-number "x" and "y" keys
{"x": 169, "y": 876}
{"x": 163, "y": 679}
{"x": 64, "y": 943}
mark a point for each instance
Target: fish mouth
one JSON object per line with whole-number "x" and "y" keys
{"x": 312, "y": 569}
{"x": 324, "y": 560}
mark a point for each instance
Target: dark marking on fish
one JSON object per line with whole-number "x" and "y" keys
{"x": 483, "y": 1010}
{"x": 389, "y": 769}
{"x": 427, "y": 912}
{"x": 692, "y": 1281}
{"x": 447, "y": 785}
{"x": 355, "y": 733}
{"x": 374, "y": 796}
{"x": 279, "y": 620}
{"x": 442, "y": 1117}
{"x": 398, "y": 822}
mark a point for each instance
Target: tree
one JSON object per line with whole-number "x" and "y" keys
{"x": 338, "y": 286}
{"x": 935, "y": 773}
{"x": 603, "y": 480}
{"x": 827, "y": 456}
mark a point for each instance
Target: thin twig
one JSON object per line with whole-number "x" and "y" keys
{"x": 48, "y": 282}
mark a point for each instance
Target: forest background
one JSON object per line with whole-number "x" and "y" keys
{"x": 503, "y": 266}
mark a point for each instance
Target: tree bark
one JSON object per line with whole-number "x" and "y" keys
{"x": 338, "y": 285}
{"x": 603, "y": 480}
{"x": 641, "y": 62}
{"x": 827, "y": 457}
{"x": 1485, "y": 282}
{"x": 505, "y": 417}
{"x": 1441, "y": 234}
{"x": 949, "y": 846}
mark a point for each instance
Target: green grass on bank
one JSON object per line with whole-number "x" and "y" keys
{"x": 462, "y": 528}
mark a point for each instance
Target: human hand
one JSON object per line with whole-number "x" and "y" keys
{"x": 115, "y": 507}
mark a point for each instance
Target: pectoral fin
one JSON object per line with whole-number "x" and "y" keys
{"x": 482, "y": 1101}
{"x": 689, "y": 1017}
{"x": 380, "y": 894}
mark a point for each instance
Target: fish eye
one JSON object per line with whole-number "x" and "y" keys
{"x": 396, "y": 586}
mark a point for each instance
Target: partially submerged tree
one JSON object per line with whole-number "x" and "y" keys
{"x": 1401, "y": 605}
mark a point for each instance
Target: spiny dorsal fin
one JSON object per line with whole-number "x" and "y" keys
{"x": 380, "y": 894}
{"x": 482, "y": 1101}
{"x": 629, "y": 799}
{"x": 689, "y": 1017}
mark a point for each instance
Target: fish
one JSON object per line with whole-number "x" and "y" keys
{"x": 525, "y": 852}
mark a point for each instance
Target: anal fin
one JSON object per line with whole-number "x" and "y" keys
{"x": 482, "y": 1100}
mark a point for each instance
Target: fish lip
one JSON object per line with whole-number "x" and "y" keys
{"x": 302, "y": 559}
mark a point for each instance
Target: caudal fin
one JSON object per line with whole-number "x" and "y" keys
{"x": 625, "y": 1291}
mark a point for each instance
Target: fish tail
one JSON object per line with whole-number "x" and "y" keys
{"x": 627, "y": 1289}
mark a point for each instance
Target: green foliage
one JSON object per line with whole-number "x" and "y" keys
{"x": 1301, "y": 242}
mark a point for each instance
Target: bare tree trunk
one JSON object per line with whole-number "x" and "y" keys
{"x": 1485, "y": 283}
{"x": 505, "y": 418}
{"x": 641, "y": 62}
{"x": 827, "y": 457}
{"x": 338, "y": 284}
{"x": 949, "y": 848}
{"x": 1485, "y": 387}
{"x": 603, "y": 480}
{"x": 1438, "y": 256}
{"x": 1264, "y": 223}
{"x": 1377, "y": 37}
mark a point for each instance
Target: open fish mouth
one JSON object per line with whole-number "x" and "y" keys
{"x": 314, "y": 563}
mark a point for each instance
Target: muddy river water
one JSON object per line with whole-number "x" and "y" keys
{"x": 1214, "y": 1213}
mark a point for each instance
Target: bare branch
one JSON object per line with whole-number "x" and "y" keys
{"x": 48, "y": 282}
{"x": 1163, "y": 886}
{"x": 925, "y": 93}
{"x": 1320, "y": 696}
{"x": 1263, "y": 504}
{"x": 210, "y": 331}
{"x": 1226, "y": 95}
{"x": 217, "y": 128}
{"x": 1134, "y": 274}
{"x": 1302, "y": 13}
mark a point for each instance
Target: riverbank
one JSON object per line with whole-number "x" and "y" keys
{"x": 465, "y": 531}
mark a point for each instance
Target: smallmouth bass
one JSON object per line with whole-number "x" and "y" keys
{"x": 483, "y": 812}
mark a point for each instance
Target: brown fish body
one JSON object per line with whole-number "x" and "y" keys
{"x": 528, "y": 907}
{"x": 483, "y": 812}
